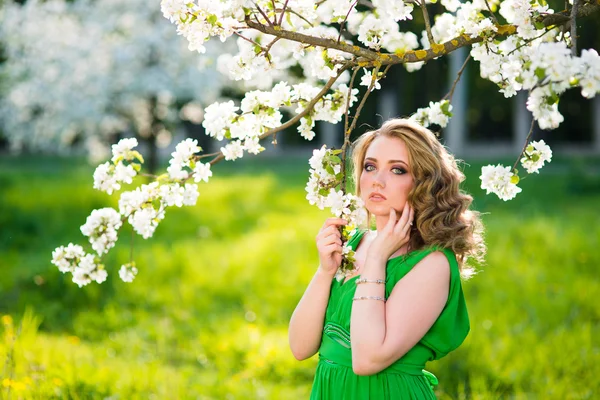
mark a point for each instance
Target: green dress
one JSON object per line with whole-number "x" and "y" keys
{"x": 405, "y": 378}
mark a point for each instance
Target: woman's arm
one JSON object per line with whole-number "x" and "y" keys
{"x": 306, "y": 324}
{"x": 381, "y": 333}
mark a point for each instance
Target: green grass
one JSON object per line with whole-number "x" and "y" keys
{"x": 207, "y": 316}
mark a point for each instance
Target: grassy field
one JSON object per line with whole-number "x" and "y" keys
{"x": 207, "y": 316}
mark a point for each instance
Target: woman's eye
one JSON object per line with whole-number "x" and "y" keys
{"x": 398, "y": 171}
{"x": 369, "y": 167}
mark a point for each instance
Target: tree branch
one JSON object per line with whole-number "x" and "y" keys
{"x": 345, "y": 19}
{"x": 563, "y": 17}
{"x": 282, "y": 12}
{"x": 427, "y": 22}
{"x": 574, "y": 28}
{"x": 460, "y": 72}
{"x": 346, "y": 131}
{"x": 370, "y": 58}
{"x": 491, "y": 12}
{"x": 525, "y": 145}
{"x": 312, "y": 40}
{"x": 297, "y": 118}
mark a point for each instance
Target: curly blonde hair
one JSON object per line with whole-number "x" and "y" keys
{"x": 442, "y": 215}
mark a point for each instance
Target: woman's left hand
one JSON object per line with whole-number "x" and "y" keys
{"x": 394, "y": 235}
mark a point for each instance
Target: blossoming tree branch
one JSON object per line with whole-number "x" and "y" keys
{"x": 520, "y": 46}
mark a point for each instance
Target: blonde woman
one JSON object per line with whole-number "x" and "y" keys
{"x": 403, "y": 304}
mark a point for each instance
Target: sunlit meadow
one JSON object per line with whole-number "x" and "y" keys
{"x": 206, "y": 317}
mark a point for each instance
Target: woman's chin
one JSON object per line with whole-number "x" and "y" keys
{"x": 379, "y": 210}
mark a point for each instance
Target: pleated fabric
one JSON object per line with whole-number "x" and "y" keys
{"x": 406, "y": 378}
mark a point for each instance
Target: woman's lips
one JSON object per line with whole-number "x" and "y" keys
{"x": 377, "y": 197}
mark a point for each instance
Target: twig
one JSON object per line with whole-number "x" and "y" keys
{"x": 449, "y": 95}
{"x": 427, "y": 23}
{"x": 297, "y": 118}
{"x": 346, "y": 131}
{"x": 264, "y": 15}
{"x": 301, "y": 17}
{"x": 131, "y": 246}
{"x": 346, "y": 114}
{"x": 525, "y": 145}
{"x": 249, "y": 40}
{"x": 364, "y": 99}
{"x": 345, "y": 19}
{"x": 491, "y": 12}
{"x": 283, "y": 12}
{"x": 207, "y": 155}
{"x": 268, "y": 48}
{"x": 574, "y": 28}
{"x": 526, "y": 42}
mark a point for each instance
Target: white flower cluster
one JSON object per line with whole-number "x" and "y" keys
{"x": 438, "y": 113}
{"x": 109, "y": 176}
{"x": 499, "y": 180}
{"x": 83, "y": 266}
{"x": 128, "y": 272}
{"x": 325, "y": 175}
{"x": 544, "y": 67}
{"x": 144, "y": 207}
{"x": 259, "y": 111}
{"x": 182, "y": 162}
{"x": 536, "y": 154}
{"x": 101, "y": 227}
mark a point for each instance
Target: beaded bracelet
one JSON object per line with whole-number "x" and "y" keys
{"x": 369, "y": 298}
{"x": 365, "y": 280}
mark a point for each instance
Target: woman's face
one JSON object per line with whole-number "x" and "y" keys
{"x": 386, "y": 178}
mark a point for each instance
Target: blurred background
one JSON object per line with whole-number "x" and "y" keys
{"x": 207, "y": 315}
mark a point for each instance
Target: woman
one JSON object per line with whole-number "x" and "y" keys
{"x": 403, "y": 304}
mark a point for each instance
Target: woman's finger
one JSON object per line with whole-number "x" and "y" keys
{"x": 333, "y": 222}
{"x": 404, "y": 219}
{"x": 332, "y": 239}
{"x": 392, "y": 221}
{"x": 333, "y": 248}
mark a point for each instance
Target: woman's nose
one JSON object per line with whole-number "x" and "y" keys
{"x": 378, "y": 181}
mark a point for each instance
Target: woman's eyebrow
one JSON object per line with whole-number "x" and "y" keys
{"x": 389, "y": 162}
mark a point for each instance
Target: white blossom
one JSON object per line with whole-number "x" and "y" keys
{"x": 536, "y": 154}
{"x": 121, "y": 150}
{"x": 127, "y": 272}
{"x": 190, "y": 194}
{"x": 101, "y": 227}
{"x": 500, "y": 181}
{"x": 367, "y": 78}
{"x": 233, "y": 150}
{"x": 202, "y": 172}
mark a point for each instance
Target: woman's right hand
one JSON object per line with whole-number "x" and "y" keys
{"x": 329, "y": 245}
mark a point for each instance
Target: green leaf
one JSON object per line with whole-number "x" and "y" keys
{"x": 335, "y": 159}
{"x": 212, "y": 19}
{"x": 540, "y": 72}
